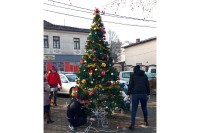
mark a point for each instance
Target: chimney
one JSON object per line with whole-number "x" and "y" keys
{"x": 137, "y": 40}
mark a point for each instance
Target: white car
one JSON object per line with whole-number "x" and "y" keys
{"x": 68, "y": 82}
{"x": 125, "y": 76}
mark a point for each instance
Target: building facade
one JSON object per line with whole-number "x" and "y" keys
{"x": 63, "y": 46}
{"x": 141, "y": 53}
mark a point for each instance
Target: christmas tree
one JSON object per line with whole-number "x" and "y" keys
{"x": 97, "y": 76}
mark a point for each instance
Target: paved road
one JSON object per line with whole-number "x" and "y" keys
{"x": 118, "y": 119}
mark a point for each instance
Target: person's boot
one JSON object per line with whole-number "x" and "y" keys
{"x": 50, "y": 121}
{"x": 131, "y": 127}
{"x": 146, "y": 123}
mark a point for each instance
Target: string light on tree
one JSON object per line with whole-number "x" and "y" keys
{"x": 96, "y": 72}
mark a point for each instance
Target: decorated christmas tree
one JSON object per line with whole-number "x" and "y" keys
{"x": 97, "y": 76}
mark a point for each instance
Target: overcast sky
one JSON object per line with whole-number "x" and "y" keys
{"x": 125, "y": 33}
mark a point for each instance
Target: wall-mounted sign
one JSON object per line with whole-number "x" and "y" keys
{"x": 49, "y": 57}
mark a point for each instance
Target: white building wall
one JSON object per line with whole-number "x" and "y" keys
{"x": 66, "y": 42}
{"x": 143, "y": 53}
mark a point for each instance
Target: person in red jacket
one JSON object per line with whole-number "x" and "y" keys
{"x": 54, "y": 81}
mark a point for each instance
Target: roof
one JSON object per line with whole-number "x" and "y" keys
{"x": 50, "y": 26}
{"x": 141, "y": 42}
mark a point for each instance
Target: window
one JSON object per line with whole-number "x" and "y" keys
{"x": 63, "y": 79}
{"x": 56, "y": 42}
{"x": 126, "y": 75}
{"x": 46, "y": 41}
{"x": 76, "y": 43}
{"x": 153, "y": 70}
{"x": 71, "y": 77}
{"x": 59, "y": 66}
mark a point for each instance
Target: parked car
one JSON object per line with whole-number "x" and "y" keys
{"x": 63, "y": 72}
{"x": 125, "y": 76}
{"x": 150, "y": 76}
{"x": 152, "y": 70}
{"x": 68, "y": 82}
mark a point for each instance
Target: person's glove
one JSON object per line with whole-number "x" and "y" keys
{"x": 148, "y": 97}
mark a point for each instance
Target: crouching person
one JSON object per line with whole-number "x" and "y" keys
{"x": 75, "y": 112}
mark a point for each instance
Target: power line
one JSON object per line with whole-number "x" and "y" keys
{"x": 91, "y": 12}
{"x": 67, "y": 8}
{"x": 107, "y": 14}
{"x": 103, "y": 21}
{"x": 111, "y": 3}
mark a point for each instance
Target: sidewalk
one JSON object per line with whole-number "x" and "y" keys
{"x": 60, "y": 125}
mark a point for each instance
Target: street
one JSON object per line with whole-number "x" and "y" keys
{"x": 122, "y": 120}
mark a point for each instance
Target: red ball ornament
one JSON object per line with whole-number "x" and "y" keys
{"x": 108, "y": 83}
{"x": 107, "y": 57}
{"x": 91, "y": 72}
{"x": 111, "y": 95}
{"x": 91, "y": 93}
{"x": 103, "y": 73}
{"x": 94, "y": 59}
{"x": 82, "y": 61}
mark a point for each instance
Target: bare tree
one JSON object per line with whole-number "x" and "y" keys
{"x": 115, "y": 44}
{"x": 147, "y": 6}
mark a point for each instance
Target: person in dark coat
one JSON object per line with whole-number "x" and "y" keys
{"x": 76, "y": 112}
{"x": 140, "y": 91}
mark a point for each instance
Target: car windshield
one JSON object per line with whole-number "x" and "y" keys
{"x": 153, "y": 70}
{"x": 149, "y": 75}
{"x": 126, "y": 74}
{"x": 71, "y": 77}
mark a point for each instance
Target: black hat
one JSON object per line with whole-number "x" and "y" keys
{"x": 137, "y": 67}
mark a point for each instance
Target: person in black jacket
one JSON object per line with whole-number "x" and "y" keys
{"x": 140, "y": 91}
{"x": 76, "y": 112}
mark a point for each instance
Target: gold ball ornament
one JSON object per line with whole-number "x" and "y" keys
{"x": 83, "y": 81}
{"x": 103, "y": 64}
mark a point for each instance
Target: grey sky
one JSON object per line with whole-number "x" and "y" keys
{"x": 125, "y": 33}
